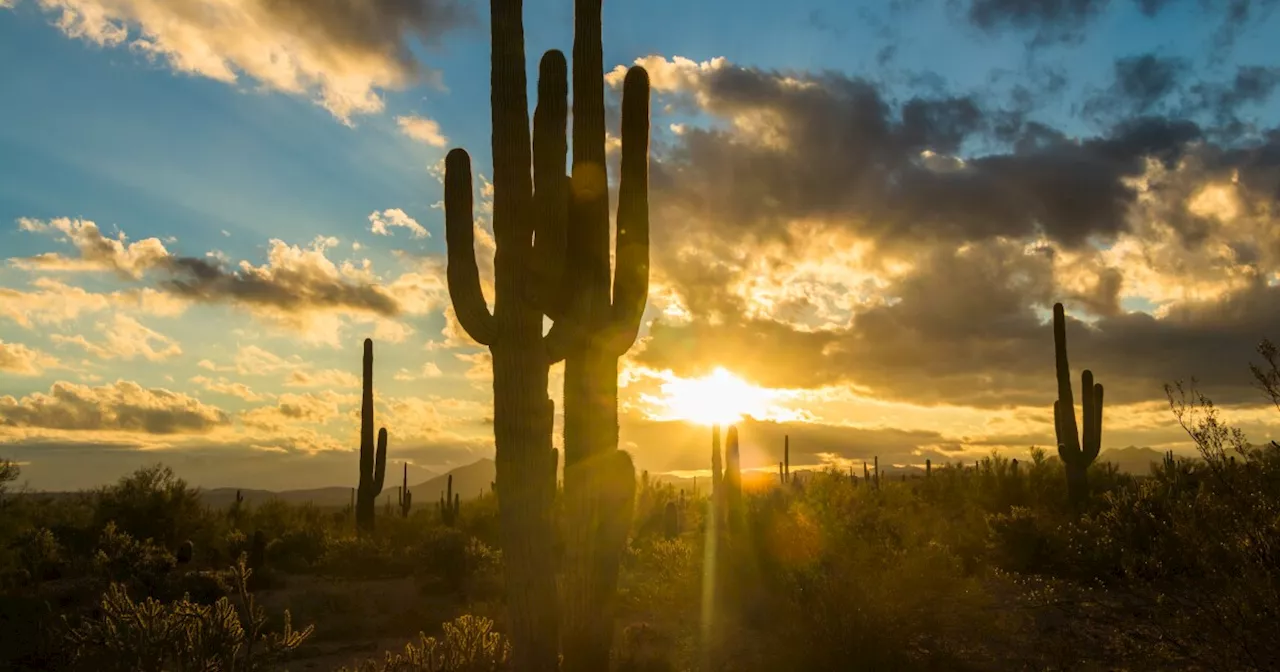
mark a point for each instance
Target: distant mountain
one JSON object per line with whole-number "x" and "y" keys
{"x": 469, "y": 482}
{"x": 1132, "y": 460}
{"x": 219, "y": 498}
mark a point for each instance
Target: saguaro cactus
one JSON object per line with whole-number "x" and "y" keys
{"x": 732, "y": 477}
{"x": 1077, "y": 450}
{"x": 716, "y": 503}
{"x": 450, "y": 504}
{"x": 786, "y": 458}
{"x": 605, "y": 309}
{"x": 406, "y": 497}
{"x": 531, "y": 212}
{"x": 373, "y": 465}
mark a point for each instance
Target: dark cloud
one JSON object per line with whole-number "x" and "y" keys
{"x": 848, "y": 153}
{"x": 296, "y": 288}
{"x": 1068, "y": 21}
{"x": 377, "y": 27}
{"x": 1141, "y": 83}
{"x": 1049, "y": 20}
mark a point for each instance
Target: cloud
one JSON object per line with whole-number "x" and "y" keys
{"x": 123, "y": 406}
{"x": 332, "y": 378}
{"x": 229, "y": 388}
{"x": 339, "y": 53}
{"x": 423, "y": 130}
{"x": 428, "y": 370}
{"x": 20, "y": 360}
{"x": 125, "y": 338}
{"x": 1067, "y": 21}
{"x": 315, "y": 408}
{"x": 298, "y": 287}
{"x": 97, "y": 251}
{"x": 864, "y": 242}
{"x": 381, "y": 223}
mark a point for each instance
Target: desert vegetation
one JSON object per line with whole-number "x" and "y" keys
{"x": 1006, "y": 563}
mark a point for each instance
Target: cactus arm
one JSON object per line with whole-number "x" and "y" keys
{"x": 550, "y": 284}
{"x": 1087, "y": 416}
{"x": 380, "y": 464}
{"x": 631, "y": 275}
{"x": 462, "y": 274}
{"x": 1094, "y": 445}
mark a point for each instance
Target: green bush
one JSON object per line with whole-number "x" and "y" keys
{"x": 181, "y": 635}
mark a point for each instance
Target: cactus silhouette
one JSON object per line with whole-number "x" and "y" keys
{"x": 406, "y": 497}
{"x": 604, "y": 308}
{"x": 786, "y": 458}
{"x": 523, "y": 414}
{"x": 373, "y": 465}
{"x": 732, "y": 478}
{"x": 1076, "y": 450}
{"x": 450, "y": 504}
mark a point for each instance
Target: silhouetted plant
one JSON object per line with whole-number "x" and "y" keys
{"x": 469, "y": 644}
{"x": 1077, "y": 450}
{"x": 450, "y": 505}
{"x": 373, "y": 463}
{"x": 406, "y": 497}
{"x": 182, "y": 635}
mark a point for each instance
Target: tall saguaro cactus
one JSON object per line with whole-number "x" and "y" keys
{"x": 606, "y": 306}
{"x": 1076, "y": 450}
{"x": 522, "y": 411}
{"x": 552, "y": 260}
{"x": 732, "y": 479}
{"x": 373, "y": 465}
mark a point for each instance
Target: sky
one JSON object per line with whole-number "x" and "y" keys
{"x": 861, "y": 215}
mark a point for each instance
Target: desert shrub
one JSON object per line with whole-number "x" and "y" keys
{"x": 450, "y": 560}
{"x": 39, "y": 556}
{"x": 298, "y": 549}
{"x": 152, "y": 503}
{"x": 182, "y": 635}
{"x": 645, "y": 648}
{"x": 360, "y": 557}
{"x": 120, "y": 558}
{"x": 469, "y": 644}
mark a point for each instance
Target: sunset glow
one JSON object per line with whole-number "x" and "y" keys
{"x": 718, "y": 398}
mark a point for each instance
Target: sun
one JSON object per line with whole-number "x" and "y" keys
{"x": 718, "y": 398}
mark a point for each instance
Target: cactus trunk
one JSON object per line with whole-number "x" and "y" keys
{"x": 373, "y": 462}
{"x": 606, "y": 306}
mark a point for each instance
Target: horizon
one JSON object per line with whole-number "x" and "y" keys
{"x": 861, "y": 216}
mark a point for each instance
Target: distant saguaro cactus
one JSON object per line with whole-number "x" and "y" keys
{"x": 928, "y": 468}
{"x": 406, "y": 497}
{"x": 671, "y": 520}
{"x": 1077, "y": 450}
{"x": 373, "y": 465}
{"x": 450, "y": 504}
{"x": 786, "y": 458}
{"x": 732, "y": 481}
{"x": 716, "y": 502}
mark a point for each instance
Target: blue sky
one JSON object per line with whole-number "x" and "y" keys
{"x": 125, "y": 139}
